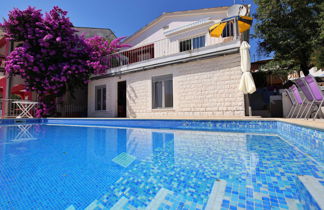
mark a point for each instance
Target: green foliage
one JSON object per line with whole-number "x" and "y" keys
{"x": 318, "y": 55}
{"x": 280, "y": 69}
{"x": 290, "y": 29}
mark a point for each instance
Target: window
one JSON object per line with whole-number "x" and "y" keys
{"x": 162, "y": 92}
{"x": 198, "y": 42}
{"x": 194, "y": 43}
{"x": 228, "y": 30}
{"x": 185, "y": 45}
{"x": 100, "y": 97}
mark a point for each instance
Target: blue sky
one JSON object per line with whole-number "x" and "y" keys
{"x": 123, "y": 17}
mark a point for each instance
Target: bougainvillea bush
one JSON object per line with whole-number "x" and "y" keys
{"x": 52, "y": 58}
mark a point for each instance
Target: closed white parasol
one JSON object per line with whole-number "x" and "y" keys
{"x": 247, "y": 85}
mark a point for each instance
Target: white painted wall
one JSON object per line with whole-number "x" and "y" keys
{"x": 155, "y": 32}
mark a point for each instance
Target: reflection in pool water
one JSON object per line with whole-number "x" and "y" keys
{"x": 67, "y": 165}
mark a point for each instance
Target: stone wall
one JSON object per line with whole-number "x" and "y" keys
{"x": 201, "y": 88}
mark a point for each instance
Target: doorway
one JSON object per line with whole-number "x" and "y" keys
{"x": 121, "y": 101}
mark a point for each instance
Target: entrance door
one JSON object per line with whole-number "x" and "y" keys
{"x": 121, "y": 99}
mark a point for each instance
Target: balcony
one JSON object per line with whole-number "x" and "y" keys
{"x": 168, "y": 51}
{"x": 132, "y": 56}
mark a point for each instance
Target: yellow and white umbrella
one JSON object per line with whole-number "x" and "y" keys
{"x": 244, "y": 23}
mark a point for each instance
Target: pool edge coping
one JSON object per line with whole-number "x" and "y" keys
{"x": 318, "y": 125}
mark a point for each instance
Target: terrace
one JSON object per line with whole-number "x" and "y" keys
{"x": 173, "y": 49}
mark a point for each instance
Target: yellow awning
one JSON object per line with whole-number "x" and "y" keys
{"x": 244, "y": 24}
{"x": 217, "y": 29}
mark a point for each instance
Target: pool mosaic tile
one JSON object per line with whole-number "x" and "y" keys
{"x": 216, "y": 196}
{"x": 121, "y": 204}
{"x": 263, "y": 179}
{"x": 71, "y": 207}
{"x": 95, "y": 205}
{"x": 311, "y": 192}
{"x": 124, "y": 159}
{"x": 166, "y": 199}
{"x": 256, "y": 126}
{"x": 260, "y": 171}
{"x": 21, "y": 121}
{"x": 310, "y": 141}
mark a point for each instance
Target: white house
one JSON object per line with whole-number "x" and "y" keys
{"x": 173, "y": 69}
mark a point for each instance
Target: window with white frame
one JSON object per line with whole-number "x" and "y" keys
{"x": 100, "y": 97}
{"x": 193, "y": 43}
{"x": 162, "y": 92}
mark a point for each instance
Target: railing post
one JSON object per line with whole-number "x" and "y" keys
{"x": 235, "y": 27}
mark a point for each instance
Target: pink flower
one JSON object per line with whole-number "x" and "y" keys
{"x": 47, "y": 37}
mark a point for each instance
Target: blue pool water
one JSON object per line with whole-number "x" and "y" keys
{"x": 56, "y": 167}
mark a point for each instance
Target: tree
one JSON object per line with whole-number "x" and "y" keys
{"x": 290, "y": 29}
{"x": 52, "y": 58}
{"x": 318, "y": 55}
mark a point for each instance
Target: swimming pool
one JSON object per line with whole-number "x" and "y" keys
{"x": 127, "y": 164}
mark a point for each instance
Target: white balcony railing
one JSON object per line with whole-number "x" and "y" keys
{"x": 157, "y": 49}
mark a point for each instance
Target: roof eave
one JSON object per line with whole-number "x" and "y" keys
{"x": 146, "y": 27}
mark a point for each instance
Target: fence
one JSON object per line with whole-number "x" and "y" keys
{"x": 71, "y": 110}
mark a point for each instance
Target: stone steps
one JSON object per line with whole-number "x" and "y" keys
{"x": 216, "y": 196}
{"x": 311, "y": 192}
{"x": 311, "y": 197}
{"x": 122, "y": 203}
{"x": 167, "y": 199}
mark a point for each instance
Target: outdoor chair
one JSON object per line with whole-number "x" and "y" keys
{"x": 308, "y": 95}
{"x": 317, "y": 93}
{"x": 299, "y": 101}
{"x": 293, "y": 103}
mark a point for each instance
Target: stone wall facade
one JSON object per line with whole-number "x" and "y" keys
{"x": 201, "y": 88}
